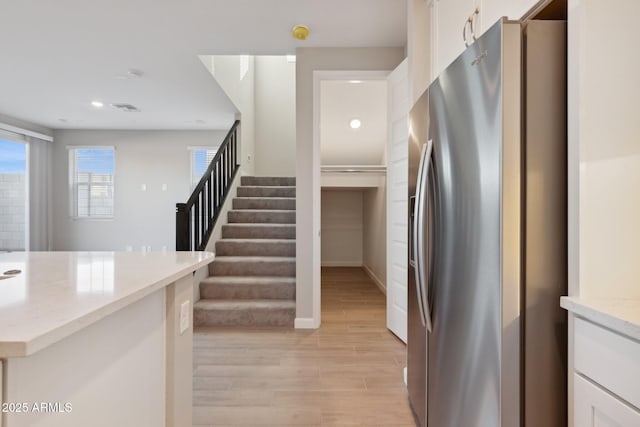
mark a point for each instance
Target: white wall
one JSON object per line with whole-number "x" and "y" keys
{"x": 275, "y": 115}
{"x": 141, "y": 217}
{"x": 241, "y": 92}
{"x": 375, "y": 234}
{"x": 308, "y": 182}
{"x": 342, "y": 228}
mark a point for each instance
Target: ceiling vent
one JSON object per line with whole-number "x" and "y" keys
{"x": 128, "y": 108}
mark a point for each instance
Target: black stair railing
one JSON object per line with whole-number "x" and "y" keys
{"x": 196, "y": 218}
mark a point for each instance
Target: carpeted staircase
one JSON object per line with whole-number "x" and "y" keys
{"x": 252, "y": 279}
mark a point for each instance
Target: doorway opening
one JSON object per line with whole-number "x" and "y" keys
{"x": 376, "y": 190}
{"x": 352, "y": 131}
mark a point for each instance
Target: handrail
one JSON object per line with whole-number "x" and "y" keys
{"x": 196, "y": 218}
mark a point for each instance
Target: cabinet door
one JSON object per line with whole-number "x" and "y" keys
{"x": 595, "y": 407}
{"x": 449, "y": 17}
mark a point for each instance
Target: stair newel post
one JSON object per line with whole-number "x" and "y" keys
{"x": 210, "y": 206}
{"x": 226, "y": 168}
{"x": 233, "y": 149}
{"x": 183, "y": 234}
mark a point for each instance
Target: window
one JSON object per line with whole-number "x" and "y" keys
{"x": 13, "y": 192}
{"x": 200, "y": 159}
{"x": 91, "y": 176}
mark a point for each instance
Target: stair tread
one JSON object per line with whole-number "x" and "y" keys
{"x": 256, "y": 240}
{"x": 241, "y": 280}
{"x": 263, "y": 198}
{"x": 266, "y": 186}
{"x": 234, "y": 304}
{"x": 259, "y": 224}
{"x": 235, "y": 258}
{"x": 261, "y": 210}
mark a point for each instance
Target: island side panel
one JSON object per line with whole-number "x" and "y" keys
{"x": 112, "y": 373}
{"x": 1, "y": 388}
{"x": 179, "y": 353}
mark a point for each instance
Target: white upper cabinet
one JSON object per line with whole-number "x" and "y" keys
{"x": 449, "y": 18}
{"x": 452, "y": 20}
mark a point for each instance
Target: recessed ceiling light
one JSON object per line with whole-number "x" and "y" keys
{"x": 355, "y": 81}
{"x": 355, "y": 123}
{"x": 132, "y": 73}
{"x": 97, "y": 104}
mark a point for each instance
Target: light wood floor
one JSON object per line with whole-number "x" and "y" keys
{"x": 347, "y": 373}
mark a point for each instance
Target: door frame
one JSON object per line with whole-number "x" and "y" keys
{"x": 316, "y": 181}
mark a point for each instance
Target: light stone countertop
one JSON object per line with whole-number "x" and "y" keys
{"x": 60, "y": 293}
{"x": 620, "y": 315}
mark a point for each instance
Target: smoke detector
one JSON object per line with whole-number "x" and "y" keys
{"x": 127, "y": 108}
{"x": 300, "y": 32}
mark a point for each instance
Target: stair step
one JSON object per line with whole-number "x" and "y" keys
{"x": 248, "y": 287}
{"x": 253, "y": 266}
{"x": 244, "y": 313}
{"x": 277, "y": 203}
{"x": 256, "y": 191}
{"x": 268, "y": 180}
{"x": 259, "y": 231}
{"x": 256, "y": 247}
{"x": 262, "y": 216}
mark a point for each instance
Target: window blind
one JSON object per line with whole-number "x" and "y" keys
{"x": 92, "y": 178}
{"x": 200, "y": 159}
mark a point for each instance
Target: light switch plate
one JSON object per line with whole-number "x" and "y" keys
{"x": 184, "y": 316}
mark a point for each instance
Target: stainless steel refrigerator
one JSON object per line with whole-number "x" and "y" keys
{"x": 488, "y": 251}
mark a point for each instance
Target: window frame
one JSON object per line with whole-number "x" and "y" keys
{"x": 72, "y": 171}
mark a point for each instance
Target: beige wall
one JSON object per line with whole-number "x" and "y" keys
{"x": 308, "y": 61}
{"x": 342, "y": 228}
{"x": 419, "y": 47}
{"x": 604, "y": 153}
{"x": 375, "y": 234}
{"x": 275, "y": 114}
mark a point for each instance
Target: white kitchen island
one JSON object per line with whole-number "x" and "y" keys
{"x": 96, "y": 338}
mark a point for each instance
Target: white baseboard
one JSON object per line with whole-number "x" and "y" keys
{"x": 341, "y": 264}
{"x": 375, "y": 279}
{"x": 305, "y": 323}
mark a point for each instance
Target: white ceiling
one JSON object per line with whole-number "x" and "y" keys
{"x": 57, "y": 56}
{"x": 340, "y": 102}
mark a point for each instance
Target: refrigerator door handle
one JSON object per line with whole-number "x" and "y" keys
{"x": 418, "y": 233}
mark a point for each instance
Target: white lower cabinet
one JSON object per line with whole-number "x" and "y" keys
{"x": 606, "y": 378}
{"x": 595, "y": 407}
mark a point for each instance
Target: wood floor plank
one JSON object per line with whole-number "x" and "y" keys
{"x": 349, "y": 372}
